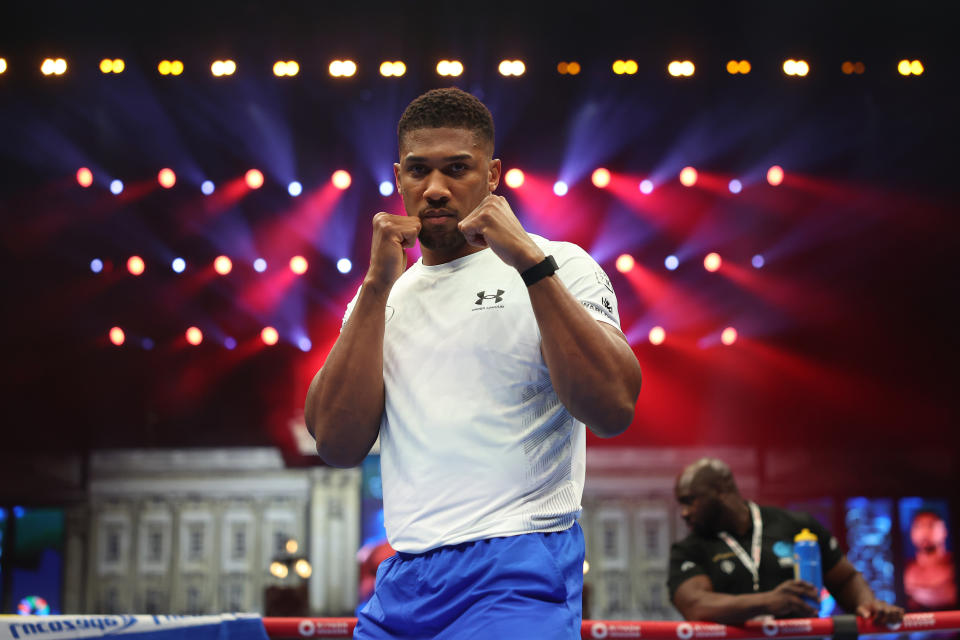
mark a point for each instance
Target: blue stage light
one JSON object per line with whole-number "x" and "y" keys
{"x": 735, "y": 186}
{"x": 96, "y": 265}
{"x": 178, "y": 265}
{"x": 116, "y": 187}
{"x": 757, "y": 261}
{"x": 230, "y": 343}
{"x": 259, "y": 265}
{"x": 294, "y": 188}
{"x": 304, "y": 344}
{"x": 672, "y": 262}
{"x": 344, "y": 265}
{"x": 386, "y": 188}
{"x": 147, "y": 344}
{"x": 560, "y": 188}
{"x": 646, "y": 187}
{"x": 207, "y": 187}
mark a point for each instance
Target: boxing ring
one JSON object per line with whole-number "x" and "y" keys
{"x": 840, "y": 627}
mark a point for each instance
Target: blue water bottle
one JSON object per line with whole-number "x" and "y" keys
{"x": 806, "y": 563}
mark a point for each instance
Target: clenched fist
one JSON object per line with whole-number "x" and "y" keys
{"x": 391, "y": 235}
{"x": 493, "y": 224}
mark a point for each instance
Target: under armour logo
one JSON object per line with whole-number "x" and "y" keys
{"x": 497, "y": 297}
{"x": 607, "y": 305}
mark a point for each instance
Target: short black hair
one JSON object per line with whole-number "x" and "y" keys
{"x": 450, "y": 107}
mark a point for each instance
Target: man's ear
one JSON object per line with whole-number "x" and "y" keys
{"x": 493, "y": 174}
{"x": 396, "y": 176}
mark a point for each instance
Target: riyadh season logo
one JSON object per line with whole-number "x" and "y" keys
{"x": 770, "y": 628}
{"x": 684, "y": 631}
{"x": 599, "y": 630}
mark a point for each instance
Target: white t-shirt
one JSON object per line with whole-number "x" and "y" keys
{"x": 474, "y": 442}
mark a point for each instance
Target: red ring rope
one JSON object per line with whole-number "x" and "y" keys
{"x": 656, "y": 630}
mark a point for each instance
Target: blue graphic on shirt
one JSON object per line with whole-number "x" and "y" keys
{"x": 783, "y": 549}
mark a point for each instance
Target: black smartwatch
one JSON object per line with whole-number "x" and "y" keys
{"x": 539, "y": 271}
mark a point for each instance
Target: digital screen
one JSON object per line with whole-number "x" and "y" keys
{"x": 374, "y": 548}
{"x": 929, "y": 574}
{"x": 36, "y": 560}
{"x": 870, "y": 542}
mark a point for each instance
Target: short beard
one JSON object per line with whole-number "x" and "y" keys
{"x": 442, "y": 240}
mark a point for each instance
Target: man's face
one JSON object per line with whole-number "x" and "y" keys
{"x": 443, "y": 174}
{"x": 700, "y": 506}
{"x": 928, "y": 532}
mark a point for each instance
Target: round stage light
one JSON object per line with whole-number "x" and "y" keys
{"x": 84, "y": 177}
{"x": 671, "y": 262}
{"x": 600, "y": 178}
{"x": 230, "y": 343}
{"x": 560, "y": 188}
{"x": 167, "y": 178}
{"x": 259, "y": 265}
{"x": 269, "y": 336}
{"x": 757, "y": 261}
{"x": 194, "y": 336}
{"x": 176, "y": 67}
{"x": 341, "y": 179}
{"x": 207, "y": 187}
{"x": 514, "y": 178}
{"x": 294, "y": 188}
{"x": 147, "y": 344}
{"x": 178, "y": 265}
{"x": 646, "y": 187}
{"x": 729, "y": 336}
{"x": 916, "y": 68}
{"x": 733, "y": 67}
{"x": 106, "y": 65}
{"x": 775, "y": 175}
{"x": 298, "y": 264}
{"x": 344, "y": 265}
{"x": 657, "y": 335}
{"x": 254, "y": 178}
{"x": 96, "y": 265}
{"x": 735, "y": 186}
{"x": 117, "y": 336}
{"x": 688, "y": 176}
{"x": 116, "y": 187}
{"x": 278, "y": 570}
{"x": 303, "y": 568}
{"x": 135, "y": 265}
{"x": 904, "y": 68}
{"x": 386, "y": 188}
{"x": 222, "y": 265}
{"x": 712, "y": 262}
{"x": 625, "y": 263}
{"x": 3, "y": 65}
{"x": 790, "y": 67}
{"x": 305, "y": 345}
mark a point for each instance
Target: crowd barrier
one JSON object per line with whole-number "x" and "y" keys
{"x": 840, "y": 627}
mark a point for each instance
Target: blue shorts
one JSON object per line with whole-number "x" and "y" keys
{"x": 526, "y": 586}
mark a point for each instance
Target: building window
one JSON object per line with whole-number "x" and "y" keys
{"x": 195, "y": 540}
{"x": 235, "y": 597}
{"x": 193, "y": 601}
{"x": 238, "y": 549}
{"x": 112, "y": 544}
{"x": 155, "y": 544}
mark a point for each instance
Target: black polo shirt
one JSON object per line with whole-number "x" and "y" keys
{"x": 710, "y": 556}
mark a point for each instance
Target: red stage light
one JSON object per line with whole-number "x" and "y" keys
{"x": 135, "y": 265}
{"x": 775, "y": 175}
{"x": 254, "y": 178}
{"x": 194, "y": 336}
{"x": 600, "y": 178}
{"x": 514, "y": 178}
{"x": 729, "y": 336}
{"x": 298, "y": 264}
{"x": 712, "y": 262}
{"x": 117, "y": 336}
{"x": 625, "y": 263}
{"x": 269, "y": 336}
{"x": 341, "y": 179}
{"x": 657, "y": 336}
{"x": 167, "y": 178}
{"x": 84, "y": 177}
{"x": 222, "y": 265}
{"x": 688, "y": 176}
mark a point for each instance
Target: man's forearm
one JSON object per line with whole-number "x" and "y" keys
{"x": 725, "y": 608}
{"x": 345, "y": 401}
{"x": 594, "y": 372}
{"x": 853, "y": 592}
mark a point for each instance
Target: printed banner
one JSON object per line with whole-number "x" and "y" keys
{"x": 221, "y": 627}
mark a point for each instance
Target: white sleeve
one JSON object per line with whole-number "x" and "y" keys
{"x": 350, "y": 306}
{"x": 587, "y": 281}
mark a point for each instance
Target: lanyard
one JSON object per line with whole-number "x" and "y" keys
{"x": 751, "y": 563}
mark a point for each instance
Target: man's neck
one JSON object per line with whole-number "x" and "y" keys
{"x": 434, "y": 257}
{"x": 740, "y": 520}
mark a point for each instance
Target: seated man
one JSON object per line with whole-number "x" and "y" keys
{"x": 737, "y": 563}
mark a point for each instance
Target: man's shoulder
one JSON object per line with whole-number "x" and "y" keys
{"x": 558, "y": 246}
{"x": 785, "y": 519}
{"x": 693, "y": 543}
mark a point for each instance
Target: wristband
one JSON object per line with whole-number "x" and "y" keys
{"x": 539, "y": 271}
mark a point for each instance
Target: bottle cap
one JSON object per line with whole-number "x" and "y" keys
{"x": 805, "y": 536}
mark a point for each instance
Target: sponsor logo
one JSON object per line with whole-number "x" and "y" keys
{"x": 786, "y": 563}
{"x": 604, "y": 280}
{"x": 685, "y": 631}
{"x": 727, "y": 566}
{"x": 596, "y": 307}
{"x": 782, "y": 549}
{"x": 686, "y": 566}
{"x": 495, "y": 300}
{"x": 599, "y": 630}
{"x": 322, "y": 628}
{"x": 919, "y": 620}
{"x": 607, "y": 305}
{"x": 107, "y": 624}
{"x": 721, "y": 556}
{"x": 770, "y": 628}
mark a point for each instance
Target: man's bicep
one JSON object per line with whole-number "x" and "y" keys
{"x": 689, "y": 592}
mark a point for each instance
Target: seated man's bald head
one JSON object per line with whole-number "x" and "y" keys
{"x": 711, "y": 473}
